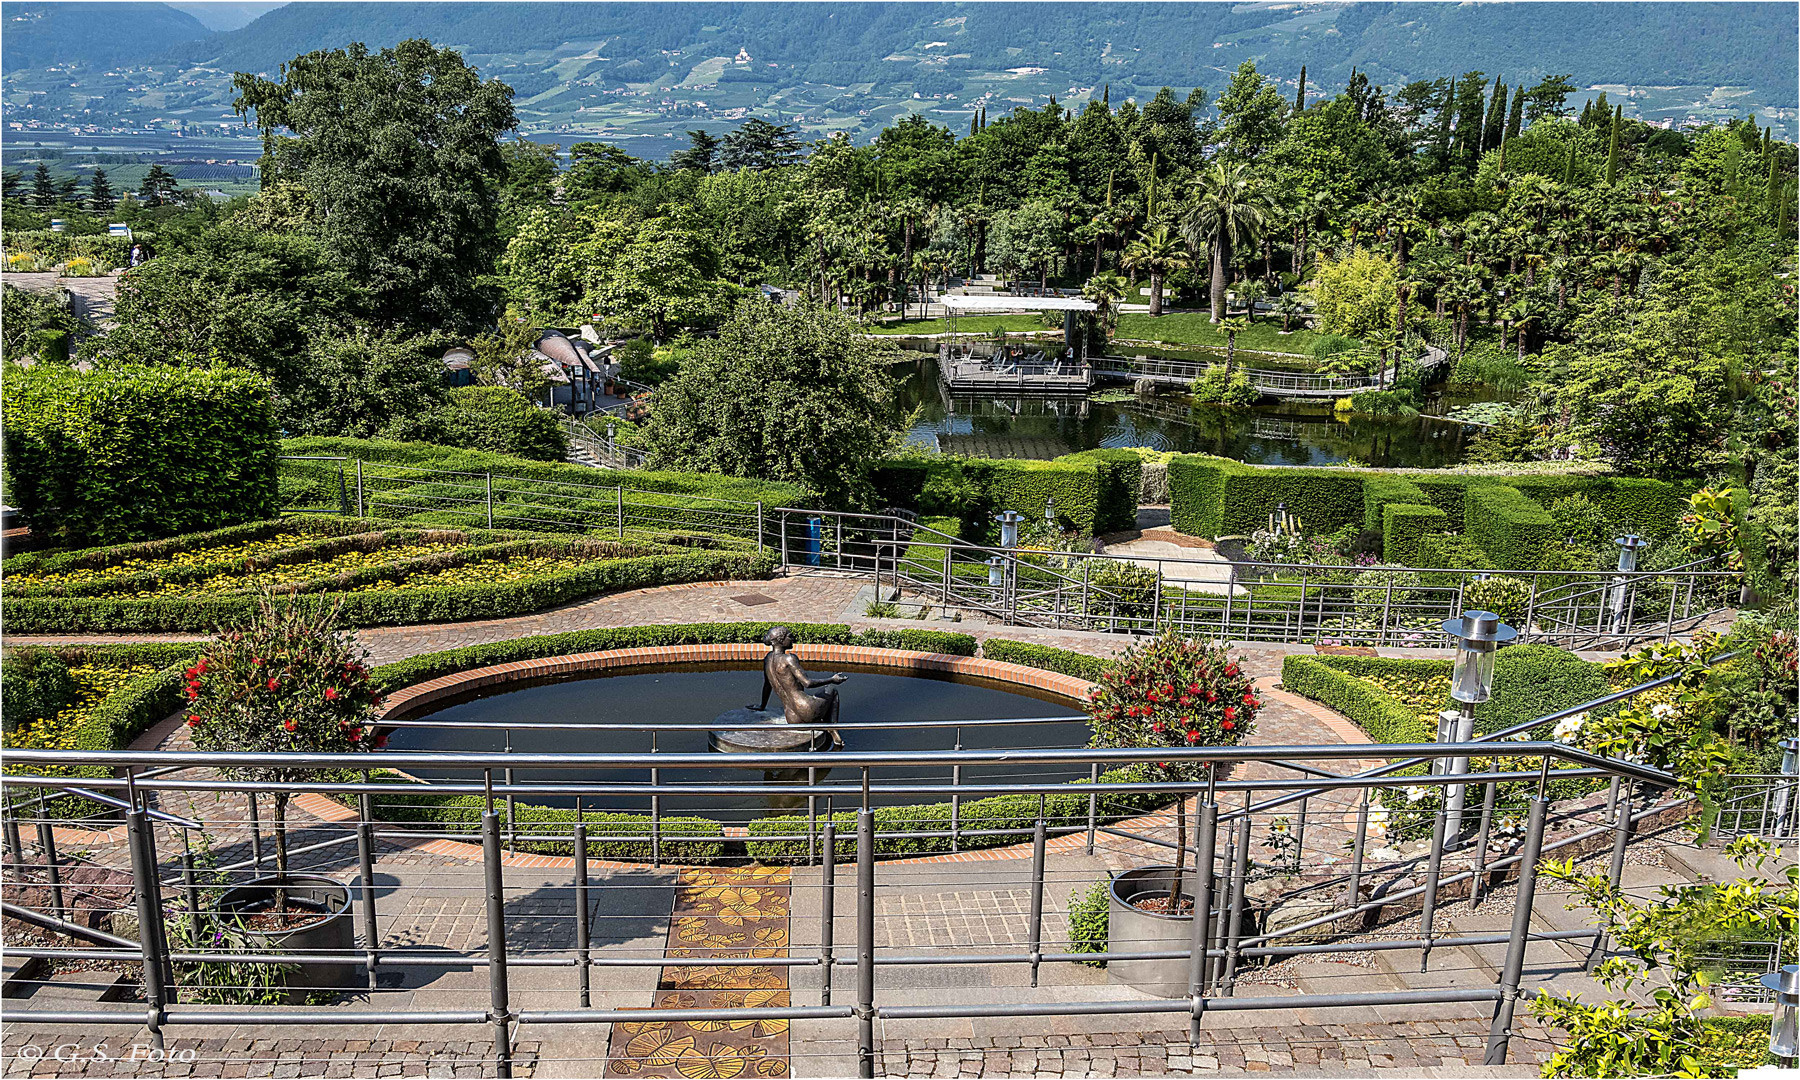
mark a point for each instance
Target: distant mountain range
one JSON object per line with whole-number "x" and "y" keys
{"x": 644, "y": 70}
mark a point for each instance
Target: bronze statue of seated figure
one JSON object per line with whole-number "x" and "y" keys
{"x": 805, "y": 701}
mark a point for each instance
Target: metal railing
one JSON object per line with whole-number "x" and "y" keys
{"x": 606, "y": 450}
{"x": 1216, "y": 951}
{"x": 1760, "y": 804}
{"x": 1276, "y": 383}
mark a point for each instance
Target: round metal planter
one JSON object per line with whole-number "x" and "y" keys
{"x": 1131, "y": 929}
{"x": 335, "y": 933}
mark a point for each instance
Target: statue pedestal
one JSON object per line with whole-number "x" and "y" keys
{"x": 746, "y": 731}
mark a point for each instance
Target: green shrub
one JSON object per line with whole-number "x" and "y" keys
{"x": 1380, "y": 403}
{"x": 1219, "y": 497}
{"x": 1452, "y": 551}
{"x": 34, "y": 326}
{"x": 34, "y": 684}
{"x": 1379, "y": 489}
{"x": 492, "y": 418}
{"x": 133, "y": 453}
{"x": 1507, "y": 597}
{"x": 1513, "y": 530}
{"x": 1121, "y": 477}
{"x": 1403, "y": 525}
{"x": 1089, "y": 918}
{"x": 975, "y": 489}
{"x": 1080, "y": 665}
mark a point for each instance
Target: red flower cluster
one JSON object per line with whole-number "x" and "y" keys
{"x": 1173, "y": 691}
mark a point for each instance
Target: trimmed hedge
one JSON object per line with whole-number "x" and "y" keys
{"x": 1378, "y": 713}
{"x": 1529, "y": 681}
{"x": 686, "y": 839}
{"x": 1212, "y": 496}
{"x": 1012, "y": 816}
{"x": 1513, "y": 530}
{"x": 1121, "y": 477}
{"x": 388, "y": 607}
{"x": 1403, "y": 525}
{"x": 1080, "y": 665}
{"x": 133, "y": 453}
{"x": 427, "y": 456}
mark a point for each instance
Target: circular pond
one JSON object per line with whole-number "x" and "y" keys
{"x": 533, "y": 716}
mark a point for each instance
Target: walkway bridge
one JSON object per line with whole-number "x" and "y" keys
{"x": 1282, "y": 384}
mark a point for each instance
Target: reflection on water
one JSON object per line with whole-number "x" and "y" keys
{"x": 1285, "y": 434}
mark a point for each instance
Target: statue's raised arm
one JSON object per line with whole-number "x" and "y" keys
{"x": 788, "y": 681}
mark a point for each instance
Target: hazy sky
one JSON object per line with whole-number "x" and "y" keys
{"x": 226, "y": 14}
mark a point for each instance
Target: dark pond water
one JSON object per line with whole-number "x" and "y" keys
{"x": 1285, "y": 434}
{"x": 692, "y": 693}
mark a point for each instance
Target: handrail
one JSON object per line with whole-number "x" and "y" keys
{"x": 121, "y": 804}
{"x": 847, "y": 725}
{"x": 841, "y": 759}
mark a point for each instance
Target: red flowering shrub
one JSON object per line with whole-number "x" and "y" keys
{"x": 288, "y": 681}
{"x": 1173, "y": 691}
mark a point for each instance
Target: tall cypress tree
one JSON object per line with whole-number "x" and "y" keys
{"x": 1612, "y": 147}
{"x": 1106, "y": 95}
{"x": 100, "y": 192}
{"x": 1300, "y": 96}
{"x": 1569, "y": 167}
{"x": 1470, "y": 100}
{"x": 1517, "y": 120}
{"x": 1494, "y": 126}
{"x": 1774, "y": 192}
{"x": 1446, "y": 114}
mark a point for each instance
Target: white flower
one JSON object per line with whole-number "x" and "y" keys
{"x": 1662, "y": 710}
{"x": 1384, "y": 854}
{"x": 1569, "y": 727}
{"x": 1417, "y": 792}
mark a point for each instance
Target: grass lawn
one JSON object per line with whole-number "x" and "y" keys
{"x": 1196, "y": 328}
{"x": 1184, "y": 328}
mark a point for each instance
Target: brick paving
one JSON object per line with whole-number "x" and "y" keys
{"x": 1295, "y": 1049}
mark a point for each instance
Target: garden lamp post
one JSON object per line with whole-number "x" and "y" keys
{"x": 1784, "y": 1025}
{"x": 1629, "y": 545}
{"x": 1009, "y": 528}
{"x": 1786, "y": 784}
{"x": 1050, "y": 512}
{"x": 1479, "y": 635}
{"x": 612, "y": 434}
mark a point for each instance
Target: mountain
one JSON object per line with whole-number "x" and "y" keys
{"x": 220, "y": 15}
{"x": 92, "y": 36}
{"x": 640, "y": 74}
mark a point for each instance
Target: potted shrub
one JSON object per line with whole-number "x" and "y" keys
{"x": 1176, "y": 692}
{"x": 287, "y": 681}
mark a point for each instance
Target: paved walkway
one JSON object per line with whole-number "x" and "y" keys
{"x": 91, "y": 298}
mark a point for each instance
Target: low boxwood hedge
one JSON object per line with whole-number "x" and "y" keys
{"x": 389, "y": 607}
{"x": 1007, "y": 819}
{"x": 1402, "y": 526}
{"x": 548, "y": 829}
{"x": 1080, "y": 665}
{"x": 1378, "y": 713}
{"x": 1511, "y": 528}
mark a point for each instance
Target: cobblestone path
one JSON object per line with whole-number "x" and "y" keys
{"x": 718, "y": 914}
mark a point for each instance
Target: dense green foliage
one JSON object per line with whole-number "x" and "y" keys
{"x": 491, "y": 418}
{"x": 1048, "y": 657}
{"x": 974, "y": 490}
{"x": 134, "y": 453}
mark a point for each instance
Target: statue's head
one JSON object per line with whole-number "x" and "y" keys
{"x": 779, "y": 637}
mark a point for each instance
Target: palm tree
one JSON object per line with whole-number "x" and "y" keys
{"x": 1105, "y": 291}
{"x": 921, "y": 272}
{"x": 1229, "y": 207}
{"x": 1288, "y": 305}
{"x": 1252, "y": 291}
{"x": 1231, "y": 327}
{"x": 1158, "y": 253}
{"x": 1381, "y": 339}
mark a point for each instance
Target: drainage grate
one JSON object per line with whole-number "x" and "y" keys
{"x": 754, "y": 599}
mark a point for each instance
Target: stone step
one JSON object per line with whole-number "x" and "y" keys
{"x": 75, "y": 987}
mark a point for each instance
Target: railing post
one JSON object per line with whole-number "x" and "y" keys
{"x": 190, "y": 884}
{"x": 490, "y": 499}
{"x": 149, "y": 917}
{"x": 1434, "y": 864}
{"x": 759, "y": 527}
{"x": 827, "y": 907}
{"x": 256, "y": 852}
{"x": 1240, "y": 872}
{"x": 865, "y": 936}
{"x": 782, "y": 515}
{"x": 499, "y": 1008}
{"x": 584, "y": 931}
{"x": 1206, "y": 829}
{"x": 1038, "y": 835}
{"x": 956, "y": 799}
{"x": 1500, "y": 1033}
{"x": 1093, "y": 806}
{"x": 365, "y": 859}
{"x": 1530, "y": 605}
{"x": 619, "y": 506}
{"x": 947, "y": 554}
{"x": 52, "y": 872}
{"x": 655, "y": 806}
{"x": 1300, "y": 832}
{"x": 1615, "y": 872}
{"x": 1481, "y": 844}
{"x": 359, "y": 488}
{"x": 1356, "y": 852}
{"x": 15, "y": 848}
{"x": 512, "y": 821}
